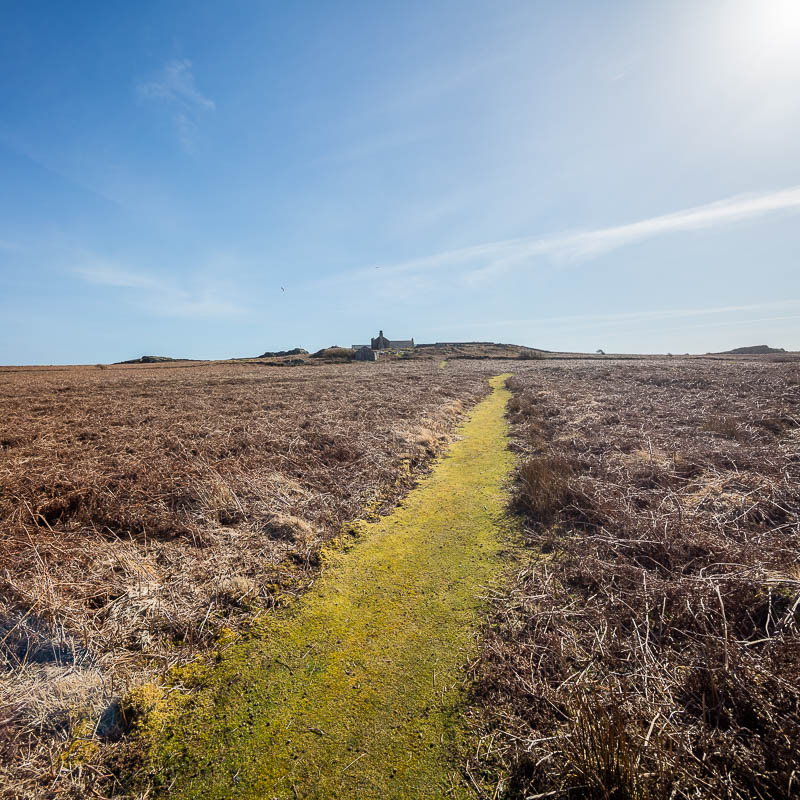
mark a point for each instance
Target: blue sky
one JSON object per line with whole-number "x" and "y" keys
{"x": 215, "y": 180}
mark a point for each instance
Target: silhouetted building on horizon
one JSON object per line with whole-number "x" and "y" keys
{"x": 380, "y": 342}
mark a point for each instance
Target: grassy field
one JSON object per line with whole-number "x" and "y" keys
{"x": 650, "y": 648}
{"x": 355, "y": 692}
{"x": 147, "y": 508}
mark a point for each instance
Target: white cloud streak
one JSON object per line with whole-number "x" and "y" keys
{"x": 108, "y": 275}
{"x": 729, "y": 323}
{"x": 161, "y": 298}
{"x": 177, "y": 89}
{"x": 724, "y": 212}
{"x": 479, "y": 262}
{"x": 177, "y": 86}
{"x": 629, "y": 318}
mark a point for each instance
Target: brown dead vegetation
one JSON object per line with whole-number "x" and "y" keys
{"x": 145, "y": 509}
{"x": 650, "y": 648}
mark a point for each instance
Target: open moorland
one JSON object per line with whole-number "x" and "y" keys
{"x": 146, "y": 508}
{"x": 647, "y": 648}
{"x": 650, "y": 648}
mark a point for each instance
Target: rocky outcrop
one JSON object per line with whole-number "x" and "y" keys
{"x": 755, "y": 350}
{"x": 147, "y": 360}
{"x": 297, "y": 351}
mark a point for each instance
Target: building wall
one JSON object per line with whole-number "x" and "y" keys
{"x": 366, "y": 354}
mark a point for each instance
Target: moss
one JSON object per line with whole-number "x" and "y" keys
{"x": 354, "y": 691}
{"x": 142, "y": 699}
{"x": 82, "y": 746}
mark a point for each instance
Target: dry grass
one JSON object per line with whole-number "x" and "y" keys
{"x": 145, "y": 509}
{"x": 653, "y": 651}
{"x": 476, "y": 350}
{"x": 544, "y": 485}
{"x": 724, "y": 426}
{"x": 335, "y": 353}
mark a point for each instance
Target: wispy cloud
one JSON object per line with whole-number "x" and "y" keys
{"x": 177, "y": 85}
{"x": 737, "y": 323}
{"x": 160, "y": 297}
{"x": 478, "y": 262}
{"x": 371, "y": 147}
{"x": 176, "y": 88}
{"x": 723, "y": 212}
{"x": 109, "y": 275}
{"x": 634, "y": 318}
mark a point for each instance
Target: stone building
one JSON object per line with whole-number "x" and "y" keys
{"x": 365, "y": 353}
{"x": 380, "y": 342}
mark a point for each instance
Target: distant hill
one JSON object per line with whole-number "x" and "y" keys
{"x": 147, "y": 360}
{"x": 755, "y": 350}
{"x": 468, "y": 350}
{"x": 297, "y": 351}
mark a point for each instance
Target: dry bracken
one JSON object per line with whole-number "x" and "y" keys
{"x": 146, "y": 509}
{"x": 650, "y": 647}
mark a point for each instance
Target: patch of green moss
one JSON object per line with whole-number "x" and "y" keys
{"x": 355, "y": 691}
{"x": 82, "y": 746}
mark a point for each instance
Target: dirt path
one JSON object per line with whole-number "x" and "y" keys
{"x": 354, "y": 693}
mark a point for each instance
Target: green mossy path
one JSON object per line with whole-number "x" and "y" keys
{"x": 355, "y": 692}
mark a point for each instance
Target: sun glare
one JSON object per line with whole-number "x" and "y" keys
{"x": 765, "y": 33}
